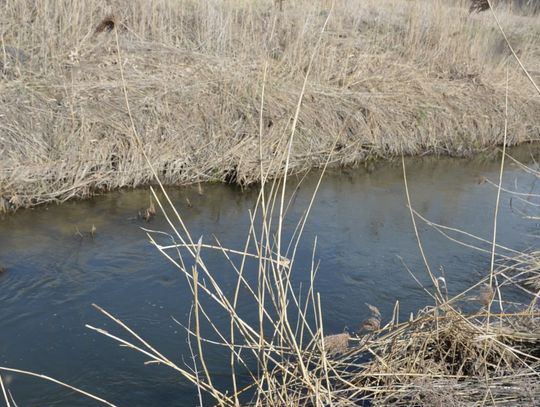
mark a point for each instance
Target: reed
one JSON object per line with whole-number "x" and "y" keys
{"x": 391, "y": 77}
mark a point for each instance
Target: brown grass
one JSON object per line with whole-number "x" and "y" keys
{"x": 391, "y": 76}
{"x": 447, "y": 356}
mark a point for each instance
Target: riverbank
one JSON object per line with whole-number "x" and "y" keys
{"x": 388, "y": 77}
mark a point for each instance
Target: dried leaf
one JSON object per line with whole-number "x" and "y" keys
{"x": 374, "y": 311}
{"x": 371, "y": 324}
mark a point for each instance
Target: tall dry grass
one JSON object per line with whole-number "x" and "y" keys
{"x": 391, "y": 76}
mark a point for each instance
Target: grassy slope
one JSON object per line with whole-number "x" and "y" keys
{"x": 390, "y": 76}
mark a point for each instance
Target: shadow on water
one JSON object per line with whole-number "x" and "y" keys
{"x": 53, "y": 273}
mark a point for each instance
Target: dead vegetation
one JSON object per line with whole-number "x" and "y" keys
{"x": 525, "y": 270}
{"x": 390, "y": 76}
{"x": 446, "y": 356}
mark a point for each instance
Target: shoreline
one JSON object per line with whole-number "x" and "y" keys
{"x": 519, "y": 152}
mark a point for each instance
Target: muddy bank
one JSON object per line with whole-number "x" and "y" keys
{"x": 420, "y": 77}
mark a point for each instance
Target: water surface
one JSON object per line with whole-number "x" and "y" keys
{"x": 364, "y": 238}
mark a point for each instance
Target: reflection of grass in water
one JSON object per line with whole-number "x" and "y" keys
{"x": 391, "y": 77}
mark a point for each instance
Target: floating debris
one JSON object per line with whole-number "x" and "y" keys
{"x": 335, "y": 344}
{"x": 373, "y": 323}
{"x": 91, "y": 234}
{"x": 148, "y": 213}
{"x": 486, "y": 295}
{"x": 481, "y": 180}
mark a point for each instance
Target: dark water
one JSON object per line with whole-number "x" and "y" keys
{"x": 363, "y": 228}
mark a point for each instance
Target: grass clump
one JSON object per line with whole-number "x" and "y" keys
{"x": 445, "y": 355}
{"x": 390, "y": 77}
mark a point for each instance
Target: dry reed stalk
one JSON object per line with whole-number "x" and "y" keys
{"x": 4, "y": 393}
{"x": 525, "y": 270}
{"x": 50, "y": 379}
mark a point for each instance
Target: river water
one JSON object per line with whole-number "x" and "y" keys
{"x": 364, "y": 240}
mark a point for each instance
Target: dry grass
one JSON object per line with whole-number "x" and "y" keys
{"x": 391, "y": 76}
{"x": 410, "y": 86}
{"x": 447, "y": 357}
{"x": 525, "y": 270}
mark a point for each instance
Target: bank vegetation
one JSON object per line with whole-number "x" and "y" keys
{"x": 207, "y": 84}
